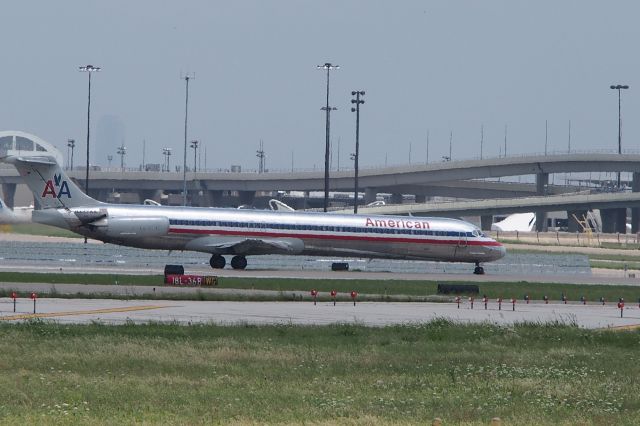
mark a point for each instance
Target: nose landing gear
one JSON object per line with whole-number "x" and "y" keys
{"x": 478, "y": 270}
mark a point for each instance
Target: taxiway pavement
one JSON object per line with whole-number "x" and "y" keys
{"x": 306, "y": 313}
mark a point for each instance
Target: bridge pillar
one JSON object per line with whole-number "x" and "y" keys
{"x": 614, "y": 220}
{"x": 572, "y": 225}
{"x": 370, "y": 195}
{"x": 211, "y": 198}
{"x": 635, "y": 211}
{"x": 396, "y": 198}
{"x": 246, "y": 197}
{"x": 542, "y": 180}
{"x": 99, "y": 194}
{"x": 8, "y": 194}
{"x": 485, "y": 222}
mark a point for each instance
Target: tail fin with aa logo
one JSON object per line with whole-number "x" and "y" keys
{"x": 51, "y": 187}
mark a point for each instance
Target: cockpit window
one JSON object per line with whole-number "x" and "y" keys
{"x": 476, "y": 233}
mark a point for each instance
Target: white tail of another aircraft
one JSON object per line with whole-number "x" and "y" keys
{"x": 51, "y": 187}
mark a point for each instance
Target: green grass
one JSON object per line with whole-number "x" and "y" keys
{"x": 378, "y": 289}
{"x": 342, "y": 374}
{"x": 620, "y": 265}
{"x": 616, "y": 257}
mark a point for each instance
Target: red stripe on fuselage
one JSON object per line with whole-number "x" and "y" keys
{"x": 333, "y": 237}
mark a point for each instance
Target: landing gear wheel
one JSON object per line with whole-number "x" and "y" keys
{"x": 478, "y": 270}
{"x": 217, "y": 261}
{"x": 238, "y": 262}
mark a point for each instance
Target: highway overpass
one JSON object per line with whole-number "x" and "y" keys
{"x": 578, "y": 204}
{"x": 462, "y": 179}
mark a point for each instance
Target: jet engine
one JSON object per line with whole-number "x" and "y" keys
{"x": 127, "y": 227}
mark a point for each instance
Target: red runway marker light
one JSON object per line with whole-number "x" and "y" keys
{"x": 34, "y": 296}
{"x": 513, "y": 303}
{"x": 485, "y": 300}
{"x": 14, "y": 296}
{"x": 354, "y": 294}
{"x": 621, "y": 306}
{"x": 458, "y": 301}
{"x": 314, "y": 294}
{"x": 471, "y": 301}
{"x": 333, "y": 296}
{"x": 499, "y": 303}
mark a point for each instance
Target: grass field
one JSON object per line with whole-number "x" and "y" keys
{"x": 378, "y": 289}
{"x": 170, "y": 374}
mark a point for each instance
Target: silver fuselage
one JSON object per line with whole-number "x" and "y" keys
{"x": 303, "y": 233}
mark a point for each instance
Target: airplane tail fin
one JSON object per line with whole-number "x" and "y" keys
{"x": 50, "y": 185}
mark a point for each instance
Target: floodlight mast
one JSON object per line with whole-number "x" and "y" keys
{"x": 619, "y": 87}
{"x": 357, "y": 101}
{"x": 187, "y": 77}
{"x": 89, "y": 69}
{"x": 328, "y": 67}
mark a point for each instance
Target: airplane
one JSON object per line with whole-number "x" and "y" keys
{"x": 241, "y": 233}
{"x": 17, "y": 215}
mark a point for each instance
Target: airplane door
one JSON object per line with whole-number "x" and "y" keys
{"x": 461, "y": 245}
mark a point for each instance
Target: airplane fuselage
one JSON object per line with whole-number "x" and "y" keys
{"x": 231, "y": 231}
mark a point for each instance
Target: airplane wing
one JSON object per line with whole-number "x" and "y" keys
{"x": 246, "y": 246}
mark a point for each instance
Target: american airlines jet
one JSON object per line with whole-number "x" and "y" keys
{"x": 241, "y": 233}
{"x": 15, "y": 216}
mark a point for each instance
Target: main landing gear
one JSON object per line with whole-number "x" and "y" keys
{"x": 237, "y": 262}
{"x": 478, "y": 270}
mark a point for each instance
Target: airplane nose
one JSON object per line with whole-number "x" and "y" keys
{"x": 499, "y": 251}
{"x": 495, "y": 251}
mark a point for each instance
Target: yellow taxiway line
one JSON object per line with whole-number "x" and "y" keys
{"x": 89, "y": 312}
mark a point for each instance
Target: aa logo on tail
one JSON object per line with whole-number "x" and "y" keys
{"x": 61, "y": 185}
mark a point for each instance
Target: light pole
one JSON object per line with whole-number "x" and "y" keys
{"x": 619, "y": 88}
{"x": 167, "y": 153}
{"x": 122, "y": 151}
{"x": 71, "y": 144}
{"x": 88, "y": 69}
{"x": 194, "y": 145}
{"x": 261, "y": 157}
{"x": 109, "y": 159}
{"x": 186, "y": 115}
{"x": 358, "y": 102}
{"x": 328, "y": 67}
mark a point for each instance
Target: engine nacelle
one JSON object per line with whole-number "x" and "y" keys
{"x": 128, "y": 227}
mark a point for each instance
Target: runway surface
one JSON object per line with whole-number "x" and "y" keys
{"x": 19, "y": 253}
{"x": 306, "y": 313}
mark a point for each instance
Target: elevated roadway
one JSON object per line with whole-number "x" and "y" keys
{"x": 389, "y": 179}
{"x": 456, "y": 178}
{"x": 568, "y": 202}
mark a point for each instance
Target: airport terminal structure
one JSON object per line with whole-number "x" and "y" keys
{"x": 471, "y": 187}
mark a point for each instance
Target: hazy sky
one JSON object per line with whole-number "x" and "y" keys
{"x": 425, "y": 66}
